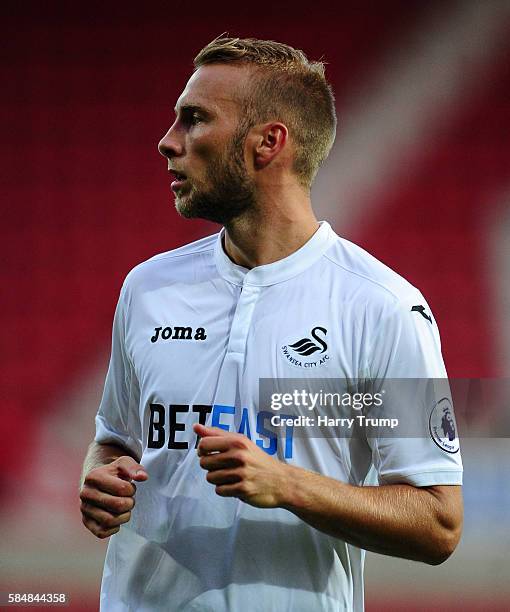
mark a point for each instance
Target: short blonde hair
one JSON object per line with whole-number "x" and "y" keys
{"x": 286, "y": 87}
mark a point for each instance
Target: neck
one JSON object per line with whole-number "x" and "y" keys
{"x": 276, "y": 227}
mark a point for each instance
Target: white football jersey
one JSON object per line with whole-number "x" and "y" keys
{"x": 193, "y": 334}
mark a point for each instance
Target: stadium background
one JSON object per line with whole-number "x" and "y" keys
{"x": 419, "y": 176}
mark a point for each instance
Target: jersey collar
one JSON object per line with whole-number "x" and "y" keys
{"x": 278, "y": 271}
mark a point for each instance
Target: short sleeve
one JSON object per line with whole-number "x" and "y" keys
{"x": 406, "y": 362}
{"x": 117, "y": 420}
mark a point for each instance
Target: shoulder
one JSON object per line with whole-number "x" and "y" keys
{"x": 179, "y": 264}
{"x": 368, "y": 281}
{"x": 401, "y": 335}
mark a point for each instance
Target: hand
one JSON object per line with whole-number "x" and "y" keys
{"x": 107, "y": 495}
{"x": 239, "y": 468}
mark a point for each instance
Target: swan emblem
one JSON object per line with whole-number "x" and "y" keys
{"x": 307, "y": 346}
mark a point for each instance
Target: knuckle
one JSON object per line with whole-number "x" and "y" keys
{"x": 106, "y": 533}
{"x": 121, "y": 505}
{"x": 86, "y": 492}
{"x": 93, "y": 477}
{"x": 86, "y": 513}
{"x": 85, "y": 509}
{"x": 243, "y": 488}
{"x": 239, "y": 458}
{"x": 90, "y": 526}
{"x": 126, "y": 488}
{"x": 100, "y": 500}
{"x": 124, "y": 461}
{"x": 109, "y": 522}
{"x": 116, "y": 504}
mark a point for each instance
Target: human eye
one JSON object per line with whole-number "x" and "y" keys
{"x": 192, "y": 116}
{"x": 196, "y": 117}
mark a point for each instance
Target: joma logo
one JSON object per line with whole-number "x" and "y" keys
{"x": 178, "y": 333}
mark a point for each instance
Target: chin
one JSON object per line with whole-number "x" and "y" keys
{"x": 182, "y": 206}
{"x": 183, "y": 210}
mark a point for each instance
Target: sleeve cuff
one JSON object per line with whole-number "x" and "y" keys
{"x": 107, "y": 435}
{"x": 424, "y": 479}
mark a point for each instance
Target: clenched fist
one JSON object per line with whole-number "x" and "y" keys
{"x": 239, "y": 468}
{"x": 107, "y": 495}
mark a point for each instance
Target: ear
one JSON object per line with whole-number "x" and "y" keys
{"x": 271, "y": 140}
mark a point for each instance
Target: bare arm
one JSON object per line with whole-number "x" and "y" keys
{"x": 106, "y": 490}
{"x": 423, "y": 524}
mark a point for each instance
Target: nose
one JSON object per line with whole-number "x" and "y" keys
{"x": 170, "y": 145}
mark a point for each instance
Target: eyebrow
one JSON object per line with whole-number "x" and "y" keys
{"x": 191, "y": 108}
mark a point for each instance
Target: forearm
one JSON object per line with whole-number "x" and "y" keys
{"x": 398, "y": 520}
{"x": 423, "y": 524}
{"x": 102, "y": 454}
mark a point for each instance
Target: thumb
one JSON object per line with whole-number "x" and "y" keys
{"x": 129, "y": 469}
{"x": 140, "y": 475}
{"x": 203, "y": 431}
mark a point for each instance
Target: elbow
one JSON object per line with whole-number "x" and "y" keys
{"x": 443, "y": 548}
{"x": 447, "y": 524}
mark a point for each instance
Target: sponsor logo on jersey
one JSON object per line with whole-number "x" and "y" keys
{"x": 442, "y": 426}
{"x": 421, "y": 309}
{"x": 307, "y": 352}
{"x": 178, "y": 332}
{"x": 170, "y": 427}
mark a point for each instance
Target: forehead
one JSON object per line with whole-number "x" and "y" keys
{"x": 216, "y": 87}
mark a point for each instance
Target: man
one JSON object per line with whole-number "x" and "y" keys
{"x": 230, "y": 515}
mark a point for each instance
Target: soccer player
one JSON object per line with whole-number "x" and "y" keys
{"x": 230, "y": 515}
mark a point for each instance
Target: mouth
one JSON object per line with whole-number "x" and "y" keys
{"x": 179, "y": 180}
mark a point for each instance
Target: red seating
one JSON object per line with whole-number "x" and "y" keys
{"x": 87, "y": 197}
